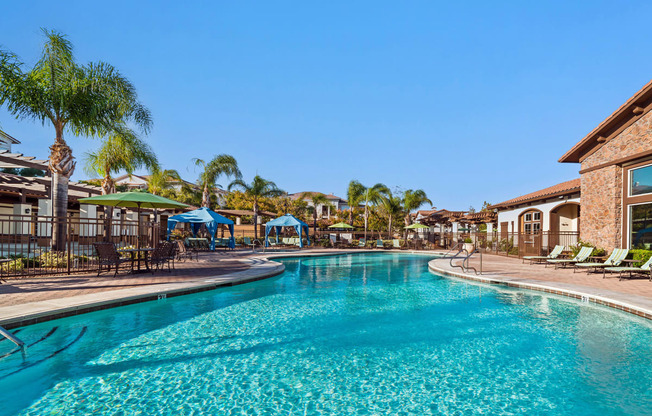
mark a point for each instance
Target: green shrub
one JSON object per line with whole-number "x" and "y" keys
{"x": 468, "y": 240}
{"x": 53, "y": 260}
{"x": 13, "y": 266}
{"x": 639, "y": 254}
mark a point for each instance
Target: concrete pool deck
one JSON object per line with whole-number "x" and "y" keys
{"x": 37, "y": 299}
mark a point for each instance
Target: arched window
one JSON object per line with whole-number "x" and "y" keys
{"x": 531, "y": 222}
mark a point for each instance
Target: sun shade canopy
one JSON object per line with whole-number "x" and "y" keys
{"x": 416, "y": 226}
{"x": 287, "y": 220}
{"x": 205, "y": 216}
{"x": 133, "y": 200}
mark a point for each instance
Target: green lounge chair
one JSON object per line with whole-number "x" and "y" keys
{"x": 553, "y": 255}
{"x": 379, "y": 243}
{"x": 362, "y": 243}
{"x": 646, "y": 268}
{"x": 396, "y": 244}
{"x": 615, "y": 258}
{"x": 252, "y": 244}
{"x": 584, "y": 254}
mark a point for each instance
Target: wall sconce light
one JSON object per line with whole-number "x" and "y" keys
{"x": 27, "y": 210}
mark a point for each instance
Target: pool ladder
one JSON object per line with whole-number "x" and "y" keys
{"x": 11, "y": 337}
{"x": 465, "y": 256}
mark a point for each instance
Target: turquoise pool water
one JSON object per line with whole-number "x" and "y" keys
{"x": 356, "y": 334}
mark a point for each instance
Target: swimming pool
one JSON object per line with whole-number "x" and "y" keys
{"x": 350, "y": 334}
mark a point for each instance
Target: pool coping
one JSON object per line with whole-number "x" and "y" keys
{"x": 633, "y": 304}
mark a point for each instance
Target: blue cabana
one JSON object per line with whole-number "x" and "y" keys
{"x": 287, "y": 220}
{"x": 201, "y": 216}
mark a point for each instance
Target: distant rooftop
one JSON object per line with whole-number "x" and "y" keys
{"x": 563, "y": 188}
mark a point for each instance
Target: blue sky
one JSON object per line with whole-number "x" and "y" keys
{"x": 470, "y": 101}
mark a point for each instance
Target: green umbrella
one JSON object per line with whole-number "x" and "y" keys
{"x": 415, "y": 226}
{"x": 133, "y": 200}
{"x": 341, "y": 225}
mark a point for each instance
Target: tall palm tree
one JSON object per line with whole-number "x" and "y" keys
{"x": 392, "y": 207}
{"x": 372, "y": 195}
{"x": 257, "y": 189}
{"x": 119, "y": 152}
{"x": 90, "y": 100}
{"x": 354, "y": 196}
{"x": 316, "y": 199}
{"x": 219, "y": 165}
{"x": 413, "y": 199}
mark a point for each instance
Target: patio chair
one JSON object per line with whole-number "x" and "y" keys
{"x": 615, "y": 258}
{"x": 646, "y": 268}
{"x": 163, "y": 253}
{"x": 252, "y": 244}
{"x": 380, "y": 244}
{"x": 585, "y": 253}
{"x": 362, "y": 243}
{"x": 107, "y": 255}
{"x": 396, "y": 244}
{"x": 183, "y": 252}
{"x": 539, "y": 259}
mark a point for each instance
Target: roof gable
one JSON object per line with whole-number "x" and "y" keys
{"x": 563, "y": 188}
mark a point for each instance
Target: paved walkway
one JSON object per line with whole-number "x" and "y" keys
{"x": 34, "y": 289}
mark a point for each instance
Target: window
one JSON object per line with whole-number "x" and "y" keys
{"x": 640, "y": 181}
{"x": 531, "y": 222}
{"x": 640, "y": 226}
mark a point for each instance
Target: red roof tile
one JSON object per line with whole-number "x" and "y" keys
{"x": 559, "y": 189}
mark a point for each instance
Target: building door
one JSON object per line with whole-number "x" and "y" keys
{"x": 529, "y": 242}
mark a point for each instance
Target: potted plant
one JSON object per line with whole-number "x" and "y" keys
{"x": 468, "y": 245}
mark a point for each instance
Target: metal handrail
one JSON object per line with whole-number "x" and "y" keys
{"x": 465, "y": 261}
{"x": 11, "y": 337}
{"x": 453, "y": 248}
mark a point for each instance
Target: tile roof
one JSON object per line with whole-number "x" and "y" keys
{"x": 559, "y": 189}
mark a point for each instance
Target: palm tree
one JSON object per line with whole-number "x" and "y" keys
{"x": 316, "y": 199}
{"x": 372, "y": 195}
{"x": 413, "y": 199}
{"x": 119, "y": 152}
{"x": 354, "y": 196}
{"x": 219, "y": 165}
{"x": 392, "y": 207}
{"x": 257, "y": 189}
{"x": 161, "y": 182}
{"x": 90, "y": 100}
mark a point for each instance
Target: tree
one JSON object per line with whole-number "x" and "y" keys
{"x": 161, "y": 182}
{"x": 119, "y": 152}
{"x": 90, "y": 100}
{"x": 218, "y": 166}
{"x": 354, "y": 196}
{"x": 372, "y": 195}
{"x": 412, "y": 200}
{"x": 392, "y": 207}
{"x": 316, "y": 199}
{"x": 257, "y": 189}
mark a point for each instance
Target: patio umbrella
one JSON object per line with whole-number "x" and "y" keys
{"x": 133, "y": 200}
{"x": 416, "y": 226}
{"x": 341, "y": 225}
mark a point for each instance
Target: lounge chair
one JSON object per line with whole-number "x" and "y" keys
{"x": 615, "y": 258}
{"x": 540, "y": 259}
{"x": 630, "y": 270}
{"x": 379, "y": 243}
{"x": 252, "y": 244}
{"x": 584, "y": 254}
{"x": 396, "y": 244}
{"x": 362, "y": 243}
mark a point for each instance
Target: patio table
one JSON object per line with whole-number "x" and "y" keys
{"x": 137, "y": 259}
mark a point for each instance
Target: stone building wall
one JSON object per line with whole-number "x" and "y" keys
{"x": 602, "y": 189}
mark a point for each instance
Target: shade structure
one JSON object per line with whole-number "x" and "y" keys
{"x": 287, "y": 220}
{"x": 205, "y": 216}
{"x": 416, "y": 226}
{"x": 341, "y": 225}
{"x": 133, "y": 200}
